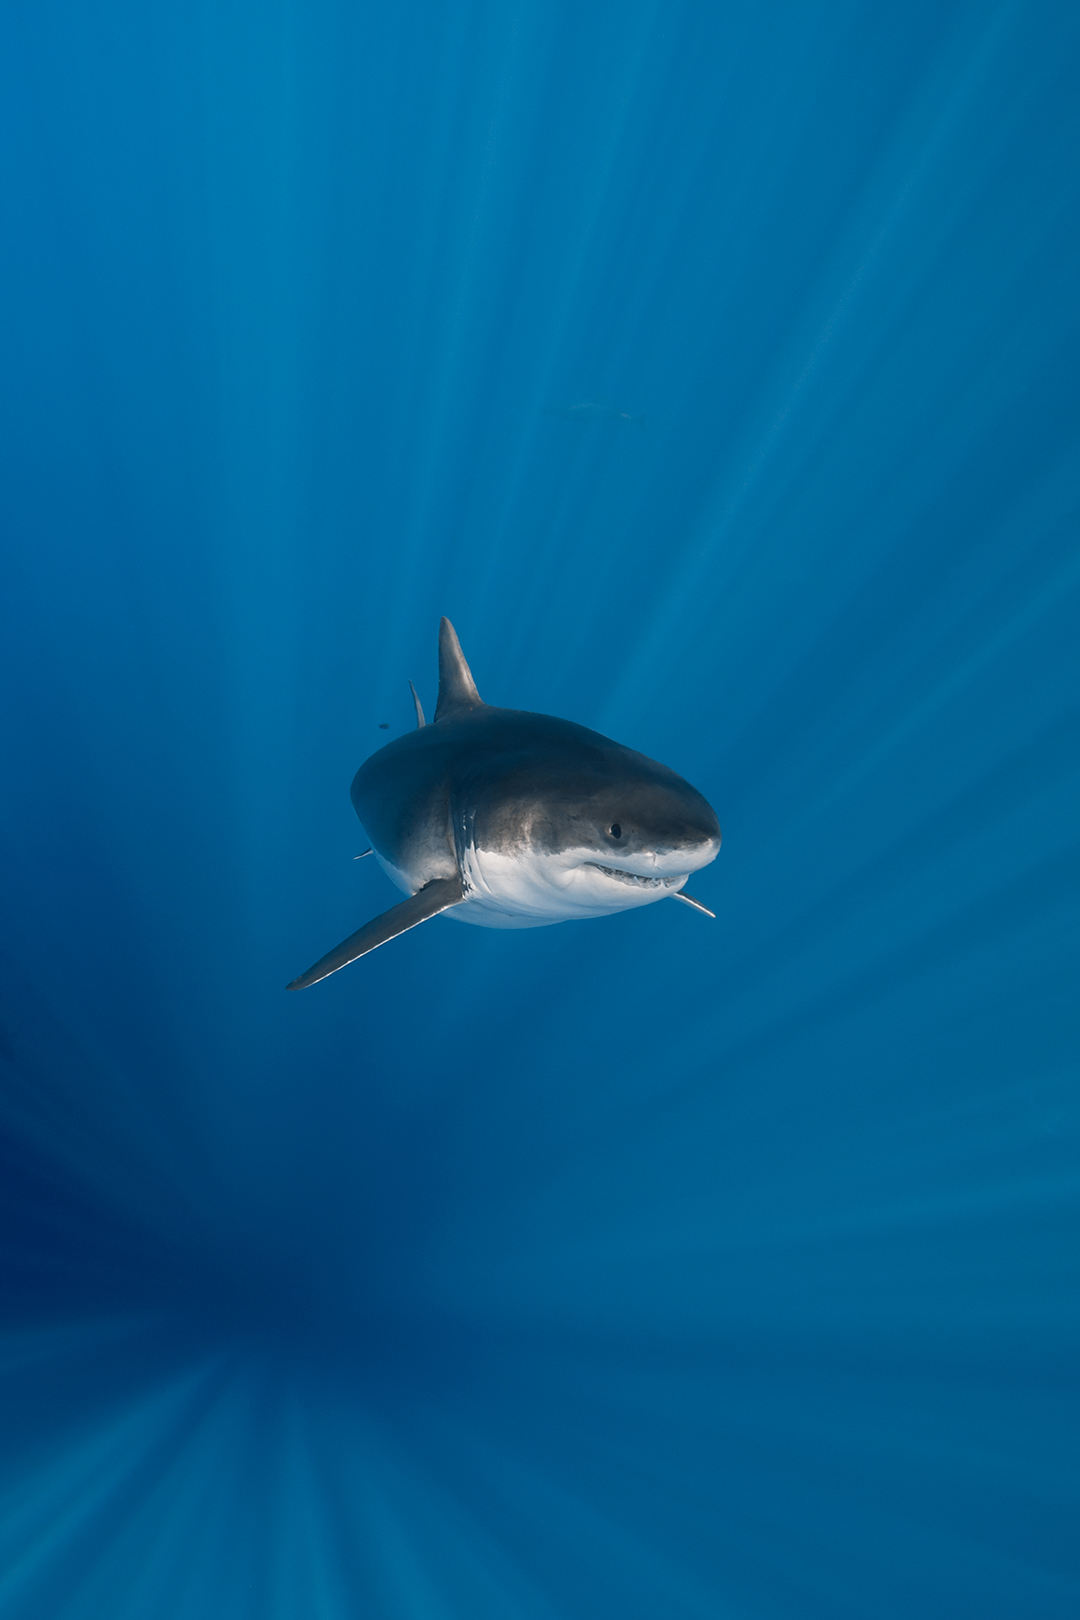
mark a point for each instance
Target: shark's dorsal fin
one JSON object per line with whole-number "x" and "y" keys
{"x": 457, "y": 689}
{"x": 420, "y": 721}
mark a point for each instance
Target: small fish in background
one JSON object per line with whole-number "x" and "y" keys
{"x": 384, "y": 725}
{"x": 591, "y": 410}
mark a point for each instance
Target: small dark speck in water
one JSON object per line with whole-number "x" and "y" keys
{"x": 384, "y": 725}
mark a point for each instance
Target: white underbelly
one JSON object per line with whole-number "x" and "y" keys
{"x": 399, "y": 878}
{"x": 533, "y": 891}
{"x": 485, "y": 915}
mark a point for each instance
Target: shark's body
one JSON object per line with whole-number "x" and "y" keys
{"x": 514, "y": 820}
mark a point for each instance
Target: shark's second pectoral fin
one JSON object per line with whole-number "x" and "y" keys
{"x": 439, "y": 895}
{"x": 688, "y": 900}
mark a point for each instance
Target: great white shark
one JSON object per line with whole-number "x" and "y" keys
{"x": 515, "y": 820}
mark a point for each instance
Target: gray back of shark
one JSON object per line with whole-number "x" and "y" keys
{"x": 508, "y": 819}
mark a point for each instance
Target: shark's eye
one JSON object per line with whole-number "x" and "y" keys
{"x": 616, "y": 830}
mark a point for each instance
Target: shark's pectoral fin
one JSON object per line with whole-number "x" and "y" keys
{"x": 687, "y": 900}
{"x": 439, "y": 895}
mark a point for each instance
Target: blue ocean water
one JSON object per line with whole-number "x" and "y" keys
{"x": 645, "y": 1267}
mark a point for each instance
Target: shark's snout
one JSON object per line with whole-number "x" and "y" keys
{"x": 666, "y": 861}
{"x": 664, "y": 868}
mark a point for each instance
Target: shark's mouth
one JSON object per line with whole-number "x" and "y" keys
{"x": 636, "y": 878}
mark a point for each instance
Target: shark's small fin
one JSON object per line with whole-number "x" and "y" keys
{"x": 420, "y": 721}
{"x": 438, "y": 895}
{"x": 688, "y": 900}
{"x": 457, "y": 689}
{"x": 362, "y": 854}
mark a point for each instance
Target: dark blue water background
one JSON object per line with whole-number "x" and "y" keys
{"x": 648, "y": 1267}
